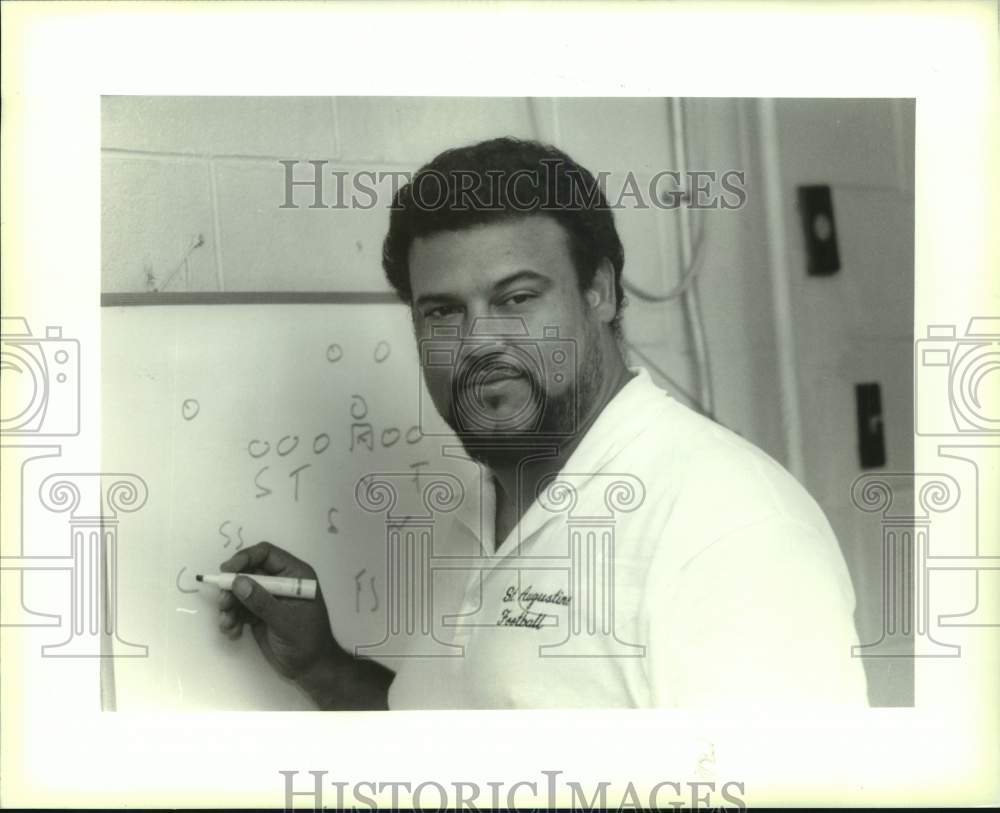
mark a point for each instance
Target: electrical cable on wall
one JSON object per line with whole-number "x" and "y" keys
{"x": 686, "y": 278}
{"x": 690, "y": 299}
{"x": 691, "y": 259}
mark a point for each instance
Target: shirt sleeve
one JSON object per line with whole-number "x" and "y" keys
{"x": 762, "y": 617}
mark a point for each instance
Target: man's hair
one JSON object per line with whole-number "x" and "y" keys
{"x": 499, "y": 180}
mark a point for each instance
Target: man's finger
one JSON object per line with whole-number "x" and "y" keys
{"x": 259, "y": 602}
{"x": 230, "y": 625}
{"x": 230, "y": 608}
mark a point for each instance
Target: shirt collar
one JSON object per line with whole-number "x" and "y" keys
{"x": 623, "y": 418}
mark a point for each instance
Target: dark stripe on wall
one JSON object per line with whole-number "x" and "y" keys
{"x": 250, "y": 298}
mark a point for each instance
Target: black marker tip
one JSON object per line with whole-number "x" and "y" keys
{"x": 199, "y": 578}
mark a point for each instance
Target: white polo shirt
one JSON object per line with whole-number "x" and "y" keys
{"x": 707, "y": 577}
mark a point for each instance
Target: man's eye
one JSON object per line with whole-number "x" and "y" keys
{"x": 519, "y": 298}
{"x": 441, "y": 311}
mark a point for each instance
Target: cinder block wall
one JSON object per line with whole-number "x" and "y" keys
{"x": 179, "y": 170}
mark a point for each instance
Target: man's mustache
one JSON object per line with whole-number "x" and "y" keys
{"x": 488, "y": 366}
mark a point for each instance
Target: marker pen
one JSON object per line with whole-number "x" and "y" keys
{"x": 275, "y": 585}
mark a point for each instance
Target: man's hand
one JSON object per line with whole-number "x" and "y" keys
{"x": 294, "y": 634}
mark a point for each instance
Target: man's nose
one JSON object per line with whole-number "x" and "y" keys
{"x": 486, "y": 327}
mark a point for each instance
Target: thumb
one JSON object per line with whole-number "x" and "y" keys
{"x": 258, "y": 601}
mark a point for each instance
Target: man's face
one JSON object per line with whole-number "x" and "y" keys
{"x": 485, "y": 296}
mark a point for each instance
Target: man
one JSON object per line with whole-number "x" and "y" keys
{"x": 634, "y": 553}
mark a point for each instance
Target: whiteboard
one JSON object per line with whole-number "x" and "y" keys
{"x": 252, "y": 422}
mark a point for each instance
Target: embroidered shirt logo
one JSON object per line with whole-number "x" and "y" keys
{"x": 526, "y": 600}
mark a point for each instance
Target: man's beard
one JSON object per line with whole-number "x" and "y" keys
{"x": 553, "y": 419}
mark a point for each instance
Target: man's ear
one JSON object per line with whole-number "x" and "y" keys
{"x": 600, "y": 294}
